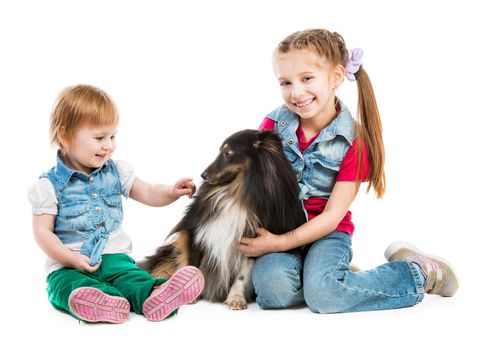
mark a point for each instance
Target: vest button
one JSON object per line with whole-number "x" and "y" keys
{"x": 290, "y": 142}
{"x": 98, "y": 209}
{"x": 94, "y": 195}
{"x": 91, "y": 179}
{"x": 282, "y": 123}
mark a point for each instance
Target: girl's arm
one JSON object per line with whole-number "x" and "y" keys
{"x": 161, "y": 195}
{"x": 326, "y": 222}
{"x": 337, "y": 206}
{"x": 43, "y": 227}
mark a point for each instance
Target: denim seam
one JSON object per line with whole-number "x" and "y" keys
{"x": 294, "y": 263}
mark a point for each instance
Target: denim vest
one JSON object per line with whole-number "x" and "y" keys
{"x": 318, "y": 166}
{"x": 89, "y": 206}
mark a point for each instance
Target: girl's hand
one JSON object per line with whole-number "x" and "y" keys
{"x": 82, "y": 262}
{"x": 265, "y": 242}
{"x": 184, "y": 186}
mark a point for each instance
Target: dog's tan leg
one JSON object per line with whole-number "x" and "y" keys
{"x": 175, "y": 257}
{"x": 241, "y": 287}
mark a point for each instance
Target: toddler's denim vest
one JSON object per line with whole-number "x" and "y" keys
{"x": 89, "y": 206}
{"x": 318, "y": 166}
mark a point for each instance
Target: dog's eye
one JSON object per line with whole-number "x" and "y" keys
{"x": 227, "y": 153}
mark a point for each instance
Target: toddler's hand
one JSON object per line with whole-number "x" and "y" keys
{"x": 184, "y": 186}
{"x": 82, "y": 262}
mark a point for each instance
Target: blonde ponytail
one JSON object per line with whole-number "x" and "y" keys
{"x": 370, "y": 130}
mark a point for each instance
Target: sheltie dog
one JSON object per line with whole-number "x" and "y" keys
{"x": 250, "y": 184}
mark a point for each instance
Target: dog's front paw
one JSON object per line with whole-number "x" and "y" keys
{"x": 237, "y": 302}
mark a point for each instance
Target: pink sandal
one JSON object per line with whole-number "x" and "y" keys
{"x": 182, "y": 288}
{"x": 92, "y": 305}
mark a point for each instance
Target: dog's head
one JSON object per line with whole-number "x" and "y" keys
{"x": 238, "y": 152}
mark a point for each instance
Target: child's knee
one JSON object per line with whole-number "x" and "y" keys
{"x": 276, "y": 284}
{"x": 324, "y": 296}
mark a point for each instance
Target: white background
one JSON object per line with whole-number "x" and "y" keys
{"x": 187, "y": 74}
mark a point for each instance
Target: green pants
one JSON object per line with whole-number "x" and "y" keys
{"x": 118, "y": 275}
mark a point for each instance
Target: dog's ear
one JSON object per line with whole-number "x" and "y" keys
{"x": 265, "y": 137}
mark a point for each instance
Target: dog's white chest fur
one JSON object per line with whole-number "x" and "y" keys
{"x": 221, "y": 235}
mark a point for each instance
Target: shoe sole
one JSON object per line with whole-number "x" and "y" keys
{"x": 182, "y": 288}
{"x": 92, "y": 305}
{"x": 394, "y": 247}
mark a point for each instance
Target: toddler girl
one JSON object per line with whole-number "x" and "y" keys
{"x": 77, "y": 217}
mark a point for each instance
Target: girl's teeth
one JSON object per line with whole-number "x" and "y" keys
{"x": 304, "y": 103}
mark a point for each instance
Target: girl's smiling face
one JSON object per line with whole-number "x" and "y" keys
{"x": 308, "y": 83}
{"x": 91, "y": 148}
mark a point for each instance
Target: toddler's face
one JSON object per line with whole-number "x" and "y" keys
{"x": 91, "y": 148}
{"x": 307, "y": 83}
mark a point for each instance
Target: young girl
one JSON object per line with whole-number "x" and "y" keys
{"x": 78, "y": 215}
{"x": 331, "y": 154}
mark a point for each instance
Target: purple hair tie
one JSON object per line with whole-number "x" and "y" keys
{"x": 353, "y": 63}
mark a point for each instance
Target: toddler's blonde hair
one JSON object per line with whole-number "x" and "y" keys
{"x": 78, "y": 106}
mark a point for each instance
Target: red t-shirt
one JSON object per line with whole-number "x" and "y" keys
{"x": 347, "y": 172}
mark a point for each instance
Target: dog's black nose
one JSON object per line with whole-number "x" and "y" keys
{"x": 204, "y": 175}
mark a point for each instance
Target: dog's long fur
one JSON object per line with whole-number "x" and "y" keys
{"x": 249, "y": 185}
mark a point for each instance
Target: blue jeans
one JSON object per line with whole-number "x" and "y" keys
{"x": 325, "y": 283}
